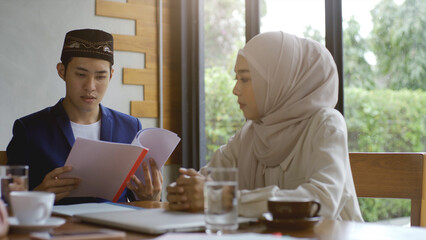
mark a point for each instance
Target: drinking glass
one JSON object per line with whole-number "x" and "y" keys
{"x": 13, "y": 178}
{"x": 220, "y": 200}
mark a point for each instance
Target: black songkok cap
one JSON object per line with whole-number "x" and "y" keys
{"x": 90, "y": 43}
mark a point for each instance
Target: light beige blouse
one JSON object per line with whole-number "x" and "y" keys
{"x": 317, "y": 168}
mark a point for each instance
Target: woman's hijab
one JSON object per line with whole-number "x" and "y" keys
{"x": 293, "y": 78}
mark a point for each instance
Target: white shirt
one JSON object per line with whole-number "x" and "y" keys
{"x": 90, "y": 131}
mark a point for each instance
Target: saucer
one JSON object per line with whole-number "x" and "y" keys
{"x": 295, "y": 223}
{"x": 50, "y": 223}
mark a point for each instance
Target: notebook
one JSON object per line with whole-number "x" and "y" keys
{"x": 152, "y": 221}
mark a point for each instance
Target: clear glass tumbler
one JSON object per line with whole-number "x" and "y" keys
{"x": 13, "y": 178}
{"x": 220, "y": 200}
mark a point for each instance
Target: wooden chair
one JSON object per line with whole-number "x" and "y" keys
{"x": 392, "y": 175}
{"x": 3, "y": 158}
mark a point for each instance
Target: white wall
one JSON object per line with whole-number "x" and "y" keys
{"x": 31, "y": 38}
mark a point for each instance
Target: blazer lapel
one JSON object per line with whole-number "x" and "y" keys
{"x": 106, "y": 125}
{"x": 64, "y": 122}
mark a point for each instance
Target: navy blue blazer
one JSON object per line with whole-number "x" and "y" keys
{"x": 43, "y": 140}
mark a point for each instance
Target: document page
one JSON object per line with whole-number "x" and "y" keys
{"x": 102, "y": 167}
{"x": 160, "y": 142}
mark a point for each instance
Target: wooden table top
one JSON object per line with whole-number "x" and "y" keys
{"x": 325, "y": 229}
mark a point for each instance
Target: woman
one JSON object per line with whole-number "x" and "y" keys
{"x": 294, "y": 143}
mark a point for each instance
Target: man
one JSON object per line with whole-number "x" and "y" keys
{"x": 43, "y": 140}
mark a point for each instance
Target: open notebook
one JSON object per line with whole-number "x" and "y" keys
{"x": 152, "y": 221}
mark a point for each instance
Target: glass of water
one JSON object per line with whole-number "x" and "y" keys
{"x": 13, "y": 178}
{"x": 221, "y": 200}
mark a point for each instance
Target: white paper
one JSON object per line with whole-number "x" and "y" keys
{"x": 103, "y": 166}
{"x": 160, "y": 143}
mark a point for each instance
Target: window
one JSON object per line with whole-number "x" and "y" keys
{"x": 384, "y": 86}
{"x": 303, "y": 18}
{"x": 223, "y": 37}
{"x": 384, "y": 75}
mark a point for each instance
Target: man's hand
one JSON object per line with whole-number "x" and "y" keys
{"x": 61, "y": 187}
{"x": 151, "y": 190}
{"x": 187, "y": 193}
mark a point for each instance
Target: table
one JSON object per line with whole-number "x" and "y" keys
{"x": 324, "y": 230}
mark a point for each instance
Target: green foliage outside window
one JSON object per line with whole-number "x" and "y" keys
{"x": 384, "y": 120}
{"x": 375, "y": 209}
{"x": 398, "y": 38}
{"x": 223, "y": 115}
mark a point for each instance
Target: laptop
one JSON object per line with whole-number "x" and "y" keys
{"x": 81, "y": 208}
{"x": 151, "y": 221}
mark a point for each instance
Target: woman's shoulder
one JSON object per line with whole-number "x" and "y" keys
{"x": 327, "y": 115}
{"x": 328, "y": 118}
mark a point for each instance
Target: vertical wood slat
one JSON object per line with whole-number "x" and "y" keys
{"x": 3, "y": 158}
{"x": 172, "y": 72}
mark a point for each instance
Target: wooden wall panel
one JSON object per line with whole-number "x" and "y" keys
{"x": 145, "y": 41}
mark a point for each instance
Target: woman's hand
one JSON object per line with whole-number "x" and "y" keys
{"x": 228, "y": 196}
{"x": 151, "y": 190}
{"x": 187, "y": 193}
{"x": 61, "y": 187}
{"x": 176, "y": 198}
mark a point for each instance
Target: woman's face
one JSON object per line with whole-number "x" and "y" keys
{"x": 244, "y": 89}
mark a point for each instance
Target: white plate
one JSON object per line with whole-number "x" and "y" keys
{"x": 50, "y": 223}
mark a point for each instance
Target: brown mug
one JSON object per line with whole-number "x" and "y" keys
{"x": 281, "y": 208}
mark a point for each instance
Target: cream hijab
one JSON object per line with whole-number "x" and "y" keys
{"x": 293, "y": 78}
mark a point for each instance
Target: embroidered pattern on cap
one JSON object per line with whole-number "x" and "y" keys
{"x": 77, "y": 43}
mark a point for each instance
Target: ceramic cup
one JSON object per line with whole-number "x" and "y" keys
{"x": 281, "y": 208}
{"x": 32, "y": 208}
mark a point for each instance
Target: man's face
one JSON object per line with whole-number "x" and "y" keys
{"x": 86, "y": 82}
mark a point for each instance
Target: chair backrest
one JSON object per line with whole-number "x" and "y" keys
{"x": 3, "y": 158}
{"x": 392, "y": 175}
